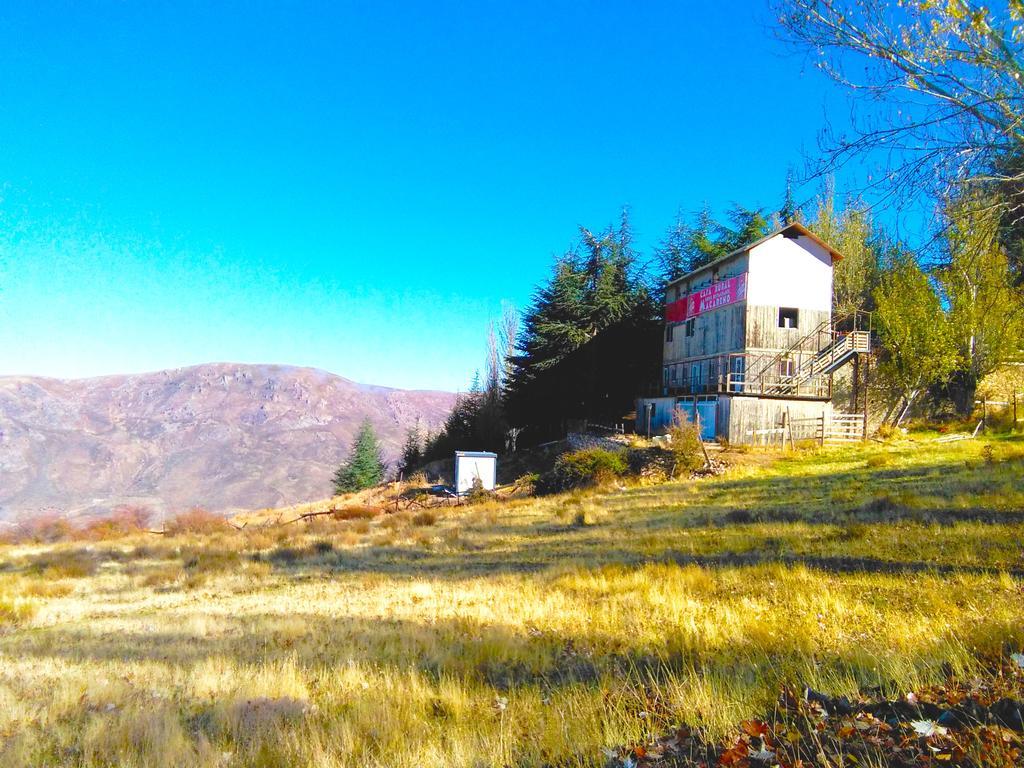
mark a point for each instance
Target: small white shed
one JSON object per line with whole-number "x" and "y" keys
{"x": 473, "y": 465}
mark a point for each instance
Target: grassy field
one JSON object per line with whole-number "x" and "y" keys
{"x": 536, "y": 631}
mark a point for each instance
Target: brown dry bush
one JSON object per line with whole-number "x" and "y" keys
{"x": 46, "y": 589}
{"x": 424, "y": 518}
{"x": 395, "y": 521}
{"x": 44, "y": 528}
{"x": 15, "y": 611}
{"x": 685, "y": 445}
{"x": 162, "y": 576}
{"x": 357, "y": 513}
{"x": 196, "y": 520}
{"x": 125, "y": 520}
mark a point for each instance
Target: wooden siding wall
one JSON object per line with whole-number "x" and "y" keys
{"x": 763, "y": 332}
{"x": 746, "y": 414}
{"x": 714, "y": 333}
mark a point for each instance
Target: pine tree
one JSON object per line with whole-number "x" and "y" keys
{"x": 673, "y": 254}
{"x": 790, "y": 211}
{"x": 586, "y": 337}
{"x": 412, "y": 449}
{"x": 365, "y": 465}
{"x": 703, "y": 247}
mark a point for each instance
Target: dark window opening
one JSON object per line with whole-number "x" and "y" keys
{"x": 789, "y": 317}
{"x": 668, "y": 333}
{"x": 787, "y": 367}
{"x": 691, "y": 324}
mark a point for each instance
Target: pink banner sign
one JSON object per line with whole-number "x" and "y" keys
{"x": 720, "y": 294}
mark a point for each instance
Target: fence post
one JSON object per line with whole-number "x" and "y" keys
{"x": 822, "y": 438}
{"x": 867, "y": 390}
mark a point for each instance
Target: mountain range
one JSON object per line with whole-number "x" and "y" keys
{"x": 222, "y": 436}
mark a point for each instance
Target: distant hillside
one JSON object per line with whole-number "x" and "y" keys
{"x": 222, "y": 435}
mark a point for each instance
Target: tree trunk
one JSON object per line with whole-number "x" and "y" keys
{"x": 962, "y": 389}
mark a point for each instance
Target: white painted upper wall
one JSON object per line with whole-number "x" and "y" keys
{"x": 790, "y": 272}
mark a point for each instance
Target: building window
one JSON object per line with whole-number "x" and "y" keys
{"x": 690, "y": 325}
{"x": 668, "y": 333}
{"x": 787, "y": 367}
{"x": 714, "y": 276}
{"x": 789, "y": 317}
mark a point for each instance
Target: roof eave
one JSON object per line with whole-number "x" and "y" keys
{"x": 804, "y": 231}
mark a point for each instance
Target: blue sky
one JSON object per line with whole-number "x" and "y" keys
{"x": 357, "y": 187}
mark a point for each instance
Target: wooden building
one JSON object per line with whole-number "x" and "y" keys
{"x": 750, "y": 344}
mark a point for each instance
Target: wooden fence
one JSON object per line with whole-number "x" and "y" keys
{"x": 839, "y": 429}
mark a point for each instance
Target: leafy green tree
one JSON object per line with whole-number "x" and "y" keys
{"x": 986, "y": 308}
{"x": 365, "y": 465}
{"x": 852, "y": 233}
{"x": 937, "y": 85}
{"x": 918, "y": 350}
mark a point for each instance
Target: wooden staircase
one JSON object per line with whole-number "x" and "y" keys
{"x": 841, "y": 347}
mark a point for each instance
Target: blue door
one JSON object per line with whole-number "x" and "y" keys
{"x": 706, "y": 410}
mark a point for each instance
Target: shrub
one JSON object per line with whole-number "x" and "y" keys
{"x": 356, "y": 513}
{"x": 210, "y": 560}
{"x": 123, "y": 521}
{"x": 886, "y": 432}
{"x": 196, "y": 520}
{"x": 424, "y": 518}
{"x": 477, "y": 494}
{"x": 15, "y": 611}
{"x": 583, "y": 468}
{"x": 395, "y": 521}
{"x": 44, "y": 528}
{"x": 64, "y": 564}
{"x": 685, "y": 445}
{"x": 322, "y": 547}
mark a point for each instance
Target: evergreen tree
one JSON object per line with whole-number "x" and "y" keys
{"x": 412, "y": 449}
{"x": 745, "y": 226}
{"x": 594, "y": 325}
{"x": 790, "y": 211}
{"x": 672, "y": 254}
{"x": 365, "y": 465}
{"x": 703, "y": 246}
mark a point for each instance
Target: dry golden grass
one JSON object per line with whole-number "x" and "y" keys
{"x": 509, "y": 632}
